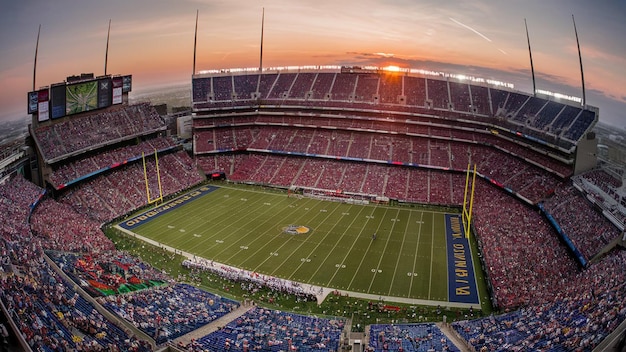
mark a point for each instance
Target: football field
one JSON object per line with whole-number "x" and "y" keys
{"x": 373, "y": 249}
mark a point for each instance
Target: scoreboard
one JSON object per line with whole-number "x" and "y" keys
{"x": 75, "y": 97}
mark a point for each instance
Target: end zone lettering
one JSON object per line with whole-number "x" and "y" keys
{"x": 461, "y": 281}
{"x": 161, "y": 209}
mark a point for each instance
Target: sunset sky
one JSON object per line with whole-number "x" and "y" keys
{"x": 153, "y": 41}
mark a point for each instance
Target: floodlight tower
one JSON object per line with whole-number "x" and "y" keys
{"x": 35, "y": 62}
{"x": 195, "y": 42}
{"x": 106, "y": 53}
{"x": 532, "y": 67}
{"x": 580, "y": 60}
{"x": 261, "y": 53}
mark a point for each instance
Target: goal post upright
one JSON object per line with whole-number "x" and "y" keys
{"x": 471, "y": 205}
{"x": 145, "y": 176}
{"x": 468, "y": 193}
{"x": 156, "y": 158}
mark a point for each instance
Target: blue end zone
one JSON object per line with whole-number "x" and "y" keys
{"x": 461, "y": 279}
{"x": 164, "y": 208}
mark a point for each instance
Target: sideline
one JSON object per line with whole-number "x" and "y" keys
{"x": 322, "y": 292}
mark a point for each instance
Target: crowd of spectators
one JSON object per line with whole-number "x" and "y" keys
{"x": 582, "y": 312}
{"x": 524, "y": 259}
{"x": 52, "y": 316}
{"x": 64, "y": 229}
{"x": 588, "y": 304}
{"x": 102, "y": 127}
{"x": 73, "y": 170}
{"x": 262, "y": 329}
{"x": 409, "y": 184}
{"x": 606, "y": 190}
{"x": 527, "y": 265}
{"x": 114, "y": 194}
{"x": 246, "y": 129}
{"x": 168, "y": 312}
{"x": 589, "y": 230}
{"x": 531, "y": 181}
{"x": 408, "y": 338}
{"x": 49, "y": 314}
{"x": 405, "y": 93}
{"x": 18, "y": 245}
{"x": 603, "y": 180}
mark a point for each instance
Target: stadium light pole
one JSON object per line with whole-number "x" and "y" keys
{"x": 261, "y": 53}
{"x": 35, "y": 62}
{"x": 532, "y": 67}
{"x": 195, "y": 43}
{"x": 106, "y": 52}
{"x": 580, "y": 60}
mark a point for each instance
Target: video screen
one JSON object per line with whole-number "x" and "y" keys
{"x": 81, "y": 97}
{"x": 58, "y": 101}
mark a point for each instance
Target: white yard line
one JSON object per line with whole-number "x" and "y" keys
{"x": 366, "y": 251}
{"x": 271, "y": 256}
{"x": 317, "y": 246}
{"x": 393, "y": 276}
{"x": 296, "y": 251}
{"x": 417, "y": 246}
{"x": 260, "y": 215}
{"x": 328, "y": 214}
{"x": 445, "y": 232}
{"x": 353, "y": 243}
{"x": 432, "y": 248}
{"x": 381, "y": 257}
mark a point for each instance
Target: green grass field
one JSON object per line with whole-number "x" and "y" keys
{"x": 244, "y": 227}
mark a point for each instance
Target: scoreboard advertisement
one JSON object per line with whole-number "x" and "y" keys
{"x": 57, "y": 101}
{"x": 127, "y": 83}
{"x": 65, "y": 99}
{"x": 42, "y": 105}
{"x": 33, "y": 102}
{"x": 117, "y": 90}
{"x": 104, "y": 92}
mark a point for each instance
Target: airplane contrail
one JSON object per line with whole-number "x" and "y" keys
{"x": 470, "y": 28}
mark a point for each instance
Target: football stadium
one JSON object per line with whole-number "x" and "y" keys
{"x": 317, "y": 208}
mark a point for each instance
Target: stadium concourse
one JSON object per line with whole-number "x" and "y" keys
{"x": 66, "y": 287}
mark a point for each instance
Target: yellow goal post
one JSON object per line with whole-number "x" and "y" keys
{"x": 145, "y": 176}
{"x": 468, "y": 199}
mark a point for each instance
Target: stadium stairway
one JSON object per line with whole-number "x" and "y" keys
{"x": 454, "y": 337}
{"x": 213, "y": 326}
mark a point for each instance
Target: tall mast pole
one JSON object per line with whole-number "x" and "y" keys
{"x": 532, "y": 67}
{"x": 195, "y": 43}
{"x": 261, "y": 54}
{"x": 35, "y": 62}
{"x": 580, "y": 60}
{"x": 106, "y": 53}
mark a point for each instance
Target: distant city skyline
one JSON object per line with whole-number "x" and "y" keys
{"x": 153, "y": 41}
